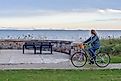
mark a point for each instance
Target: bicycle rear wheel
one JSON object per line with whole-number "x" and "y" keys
{"x": 102, "y": 59}
{"x": 79, "y": 59}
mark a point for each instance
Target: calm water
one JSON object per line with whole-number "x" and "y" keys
{"x": 56, "y": 34}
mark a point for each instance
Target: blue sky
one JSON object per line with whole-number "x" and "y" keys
{"x": 58, "y": 4}
{"x": 62, "y": 14}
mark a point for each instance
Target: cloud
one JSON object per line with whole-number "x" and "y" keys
{"x": 26, "y": 13}
{"x": 57, "y": 18}
{"x": 109, "y": 20}
{"x": 109, "y": 11}
{"x": 116, "y": 19}
{"x": 32, "y": 13}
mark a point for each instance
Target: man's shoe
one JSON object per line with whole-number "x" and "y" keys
{"x": 91, "y": 62}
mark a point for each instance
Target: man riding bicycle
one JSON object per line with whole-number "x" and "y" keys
{"x": 95, "y": 44}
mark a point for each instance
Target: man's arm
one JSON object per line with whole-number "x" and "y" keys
{"x": 88, "y": 40}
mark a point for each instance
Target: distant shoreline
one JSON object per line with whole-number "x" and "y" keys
{"x": 58, "y": 29}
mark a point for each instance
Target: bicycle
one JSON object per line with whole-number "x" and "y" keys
{"x": 79, "y": 59}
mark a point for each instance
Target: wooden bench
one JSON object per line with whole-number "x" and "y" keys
{"x": 29, "y": 45}
{"x": 37, "y": 45}
{"x": 46, "y": 45}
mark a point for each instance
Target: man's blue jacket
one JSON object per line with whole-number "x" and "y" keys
{"x": 94, "y": 41}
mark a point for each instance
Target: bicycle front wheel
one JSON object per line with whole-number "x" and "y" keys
{"x": 79, "y": 59}
{"x": 102, "y": 59}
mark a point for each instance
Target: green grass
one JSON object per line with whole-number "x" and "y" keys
{"x": 112, "y": 46}
{"x": 116, "y": 59}
{"x": 60, "y": 75}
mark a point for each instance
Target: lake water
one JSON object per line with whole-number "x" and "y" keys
{"x": 56, "y": 34}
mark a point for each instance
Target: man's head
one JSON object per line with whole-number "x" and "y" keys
{"x": 93, "y": 32}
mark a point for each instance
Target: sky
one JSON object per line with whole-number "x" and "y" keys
{"x": 60, "y": 14}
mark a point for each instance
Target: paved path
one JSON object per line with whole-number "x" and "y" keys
{"x": 14, "y": 59}
{"x": 62, "y": 65}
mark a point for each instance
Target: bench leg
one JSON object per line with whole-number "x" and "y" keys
{"x": 34, "y": 50}
{"x": 23, "y": 49}
{"x": 51, "y": 50}
{"x": 70, "y": 52}
{"x": 41, "y": 50}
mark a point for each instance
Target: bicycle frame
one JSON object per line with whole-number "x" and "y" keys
{"x": 87, "y": 52}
